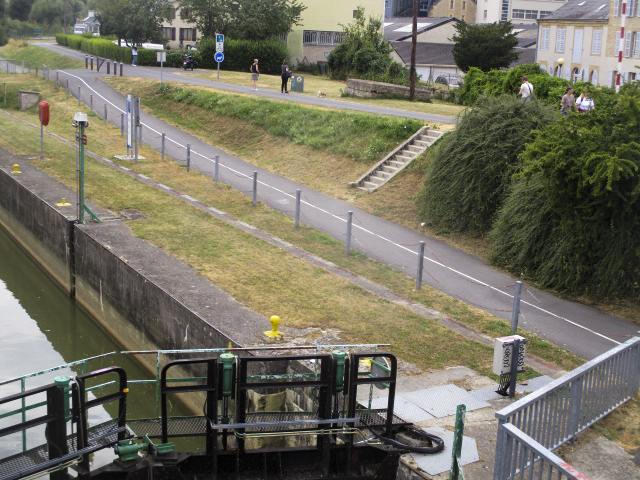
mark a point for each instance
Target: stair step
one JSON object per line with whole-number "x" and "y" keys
{"x": 368, "y": 190}
{"x": 407, "y": 153}
{"x": 402, "y": 160}
{"x": 369, "y": 186}
{"x": 389, "y": 169}
{"x": 397, "y": 164}
{"x": 416, "y": 148}
{"x": 382, "y": 174}
{"x": 421, "y": 143}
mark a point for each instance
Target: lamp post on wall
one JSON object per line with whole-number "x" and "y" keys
{"x": 560, "y": 63}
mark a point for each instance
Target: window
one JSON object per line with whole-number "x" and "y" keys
{"x": 313, "y": 37}
{"x": 524, "y": 14}
{"x": 636, "y": 46}
{"x": 284, "y": 37}
{"x": 617, "y": 49}
{"x": 630, "y": 7}
{"x": 184, "y": 14}
{"x": 560, "y": 40}
{"x": 596, "y": 42}
{"x": 544, "y": 39}
{"x": 504, "y": 11}
{"x": 188, "y": 34}
{"x": 484, "y": 15}
{"x": 355, "y": 13}
{"x": 594, "y": 77}
{"x": 169, "y": 33}
{"x": 173, "y": 14}
{"x": 451, "y": 4}
{"x": 616, "y": 8}
{"x": 464, "y": 5}
{"x": 627, "y": 44}
{"x": 544, "y": 14}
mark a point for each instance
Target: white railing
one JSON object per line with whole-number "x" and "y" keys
{"x": 556, "y": 413}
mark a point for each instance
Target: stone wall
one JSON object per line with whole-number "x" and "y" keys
{"x": 371, "y": 89}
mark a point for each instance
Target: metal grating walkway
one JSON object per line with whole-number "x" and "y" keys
{"x": 104, "y": 434}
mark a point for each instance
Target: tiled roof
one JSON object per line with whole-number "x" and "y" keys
{"x": 595, "y": 10}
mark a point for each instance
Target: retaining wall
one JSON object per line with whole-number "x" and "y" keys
{"x": 145, "y": 298}
{"x": 371, "y": 89}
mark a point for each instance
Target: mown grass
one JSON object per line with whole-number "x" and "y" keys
{"x": 312, "y": 300}
{"x": 332, "y": 89}
{"x": 37, "y": 56}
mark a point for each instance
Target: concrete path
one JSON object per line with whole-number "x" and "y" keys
{"x": 577, "y": 327}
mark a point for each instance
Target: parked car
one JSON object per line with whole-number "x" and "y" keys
{"x": 449, "y": 81}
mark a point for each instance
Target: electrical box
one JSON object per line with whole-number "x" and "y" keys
{"x": 503, "y": 354}
{"x": 297, "y": 83}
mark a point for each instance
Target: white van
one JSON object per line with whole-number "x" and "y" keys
{"x": 79, "y": 29}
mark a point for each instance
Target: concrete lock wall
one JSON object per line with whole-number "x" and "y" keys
{"x": 110, "y": 281}
{"x": 41, "y": 230}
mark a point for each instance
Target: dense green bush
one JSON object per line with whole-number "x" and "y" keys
{"x": 334, "y": 131}
{"x": 498, "y": 82}
{"x": 470, "y": 170}
{"x": 239, "y": 55}
{"x": 96, "y": 46}
{"x": 572, "y": 220}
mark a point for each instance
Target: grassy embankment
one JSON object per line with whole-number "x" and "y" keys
{"x": 333, "y": 90}
{"x": 261, "y": 276}
{"x": 36, "y": 56}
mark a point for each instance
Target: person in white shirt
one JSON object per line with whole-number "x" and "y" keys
{"x": 526, "y": 89}
{"x": 585, "y": 103}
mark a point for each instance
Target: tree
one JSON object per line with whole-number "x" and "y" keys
{"x": 572, "y": 219}
{"x": 3, "y": 26}
{"x": 470, "y": 170}
{"x": 20, "y": 9}
{"x": 487, "y": 47}
{"x": 47, "y": 12}
{"x": 244, "y": 19}
{"x": 134, "y": 21}
{"x": 364, "y": 48}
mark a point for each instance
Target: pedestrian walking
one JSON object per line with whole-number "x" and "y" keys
{"x": 255, "y": 74}
{"x": 286, "y": 74}
{"x": 526, "y": 90}
{"x": 585, "y": 103}
{"x": 134, "y": 55}
{"x": 568, "y": 101}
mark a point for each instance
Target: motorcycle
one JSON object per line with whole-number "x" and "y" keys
{"x": 187, "y": 62}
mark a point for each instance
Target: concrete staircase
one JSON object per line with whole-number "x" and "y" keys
{"x": 393, "y": 163}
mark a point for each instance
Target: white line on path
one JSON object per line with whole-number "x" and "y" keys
{"x": 364, "y": 230}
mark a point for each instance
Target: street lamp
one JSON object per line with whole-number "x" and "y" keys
{"x": 560, "y": 63}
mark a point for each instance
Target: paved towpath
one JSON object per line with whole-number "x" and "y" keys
{"x": 579, "y": 328}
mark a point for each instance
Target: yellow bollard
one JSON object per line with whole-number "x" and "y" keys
{"x": 273, "y": 333}
{"x": 63, "y": 203}
{"x": 16, "y": 169}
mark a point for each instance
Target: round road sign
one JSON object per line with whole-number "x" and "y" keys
{"x": 219, "y": 57}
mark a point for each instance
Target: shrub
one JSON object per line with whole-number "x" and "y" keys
{"x": 572, "y": 220}
{"x": 470, "y": 172}
{"x": 239, "y": 54}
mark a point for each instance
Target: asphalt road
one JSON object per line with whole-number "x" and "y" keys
{"x": 579, "y": 328}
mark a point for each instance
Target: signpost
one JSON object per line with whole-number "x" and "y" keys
{"x": 161, "y": 57}
{"x": 219, "y": 56}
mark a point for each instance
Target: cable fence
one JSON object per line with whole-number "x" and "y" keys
{"x": 358, "y": 231}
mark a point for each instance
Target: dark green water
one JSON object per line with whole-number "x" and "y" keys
{"x": 40, "y": 328}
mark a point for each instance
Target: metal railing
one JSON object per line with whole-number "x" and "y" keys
{"x": 556, "y": 413}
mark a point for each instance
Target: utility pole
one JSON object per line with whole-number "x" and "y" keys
{"x": 414, "y": 38}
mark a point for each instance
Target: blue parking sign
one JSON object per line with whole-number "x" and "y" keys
{"x": 219, "y": 38}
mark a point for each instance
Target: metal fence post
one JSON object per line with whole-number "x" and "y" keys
{"x": 515, "y": 312}
{"x": 105, "y": 113}
{"x": 500, "y": 451}
{"x": 515, "y": 354}
{"x": 575, "y": 398}
{"x": 67, "y": 89}
{"x": 120, "y": 68}
{"x": 188, "y": 156}
{"x": 121, "y": 124}
{"x": 458, "y": 433}
{"x": 86, "y": 62}
{"x": 216, "y": 169}
{"x": 57, "y": 79}
{"x": 79, "y": 94}
{"x": 22, "y": 62}
{"x": 108, "y": 67}
{"x": 348, "y": 242}
{"x": 91, "y": 62}
{"x": 297, "y": 217}
{"x": 163, "y": 146}
{"x": 420, "y": 266}
{"x": 255, "y": 187}
{"x": 91, "y": 102}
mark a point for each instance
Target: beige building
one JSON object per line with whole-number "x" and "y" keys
{"x": 179, "y": 33}
{"x": 580, "y": 41}
{"x": 515, "y": 11}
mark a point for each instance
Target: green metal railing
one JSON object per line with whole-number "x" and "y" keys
{"x": 84, "y": 367}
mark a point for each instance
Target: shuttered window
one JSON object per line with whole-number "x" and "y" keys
{"x": 596, "y": 42}
{"x": 544, "y": 39}
{"x": 560, "y": 40}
